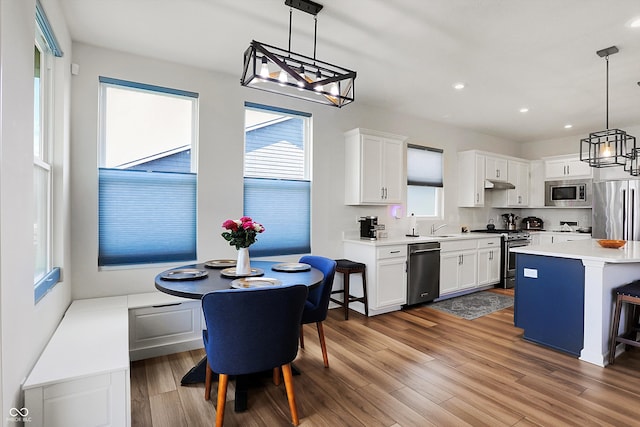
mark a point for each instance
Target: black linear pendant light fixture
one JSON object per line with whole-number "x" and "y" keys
{"x": 288, "y": 73}
{"x": 609, "y": 147}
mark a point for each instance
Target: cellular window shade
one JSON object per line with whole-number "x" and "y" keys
{"x": 424, "y": 166}
{"x": 146, "y": 217}
{"x": 283, "y": 207}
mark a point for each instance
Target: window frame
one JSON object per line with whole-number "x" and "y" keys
{"x": 104, "y": 84}
{"x": 293, "y": 249}
{"x": 438, "y": 194}
{"x": 48, "y": 47}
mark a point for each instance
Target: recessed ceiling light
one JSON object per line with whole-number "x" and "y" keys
{"x": 568, "y": 126}
{"x": 524, "y": 110}
{"x": 458, "y": 86}
{"x": 635, "y": 23}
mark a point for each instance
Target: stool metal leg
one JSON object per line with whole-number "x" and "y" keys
{"x": 346, "y": 295}
{"x": 364, "y": 290}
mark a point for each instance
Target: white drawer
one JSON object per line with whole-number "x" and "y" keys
{"x": 166, "y": 324}
{"x": 458, "y": 245}
{"x": 489, "y": 243}
{"x": 392, "y": 251}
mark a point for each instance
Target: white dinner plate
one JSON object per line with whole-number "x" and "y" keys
{"x": 291, "y": 267}
{"x": 231, "y": 272}
{"x": 254, "y": 282}
{"x": 220, "y": 263}
{"x": 184, "y": 274}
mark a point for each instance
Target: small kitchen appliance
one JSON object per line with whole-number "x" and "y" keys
{"x": 510, "y": 221}
{"x": 568, "y": 194}
{"x": 369, "y": 227}
{"x": 532, "y": 223}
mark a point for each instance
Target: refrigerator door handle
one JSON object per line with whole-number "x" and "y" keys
{"x": 625, "y": 234}
{"x": 632, "y": 215}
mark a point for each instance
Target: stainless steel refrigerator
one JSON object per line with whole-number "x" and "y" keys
{"x": 616, "y": 210}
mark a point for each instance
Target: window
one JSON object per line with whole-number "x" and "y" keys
{"x": 147, "y": 174}
{"x": 46, "y": 48}
{"x": 424, "y": 181}
{"x": 277, "y": 184}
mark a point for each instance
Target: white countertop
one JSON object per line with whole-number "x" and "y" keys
{"x": 588, "y": 249}
{"x": 403, "y": 240}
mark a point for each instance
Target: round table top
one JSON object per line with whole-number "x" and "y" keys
{"x": 215, "y": 281}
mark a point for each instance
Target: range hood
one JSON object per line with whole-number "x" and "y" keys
{"x": 491, "y": 184}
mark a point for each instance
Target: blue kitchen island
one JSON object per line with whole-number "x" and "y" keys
{"x": 564, "y": 294}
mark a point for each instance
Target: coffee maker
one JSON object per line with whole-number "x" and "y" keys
{"x": 368, "y": 227}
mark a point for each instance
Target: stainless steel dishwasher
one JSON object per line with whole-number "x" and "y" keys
{"x": 423, "y": 272}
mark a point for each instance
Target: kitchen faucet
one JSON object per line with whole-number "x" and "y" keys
{"x": 434, "y": 228}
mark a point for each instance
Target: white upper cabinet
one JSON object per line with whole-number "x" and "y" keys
{"x": 566, "y": 168}
{"x": 496, "y": 169}
{"x": 374, "y": 167}
{"x": 471, "y": 176}
{"x": 518, "y": 173}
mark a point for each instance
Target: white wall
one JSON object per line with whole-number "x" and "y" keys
{"x": 221, "y": 156}
{"x": 25, "y": 327}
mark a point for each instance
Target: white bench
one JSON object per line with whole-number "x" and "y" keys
{"x": 82, "y": 376}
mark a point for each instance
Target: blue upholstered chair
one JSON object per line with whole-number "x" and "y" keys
{"x": 252, "y": 330}
{"x": 317, "y": 305}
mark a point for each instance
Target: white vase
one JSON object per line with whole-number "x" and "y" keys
{"x": 243, "y": 265}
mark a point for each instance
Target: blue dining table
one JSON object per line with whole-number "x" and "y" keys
{"x": 215, "y": 280}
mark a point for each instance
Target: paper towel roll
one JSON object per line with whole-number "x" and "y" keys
{"x": 413, "y": 227}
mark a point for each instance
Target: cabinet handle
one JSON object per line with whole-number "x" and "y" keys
{"x": 519, "y": 200}
{"x": 382, "y": 192}
{"x": 166, "y": 305}
{"x": 490, "y": 255}
{"x": 386, "y": 192}
{"x": 497, "y": 173}
{"x": 459, "y": 259}
{"x": 394, "y": 252}
{"x": 477, "y": 197}
{"x": 568, "y": 170}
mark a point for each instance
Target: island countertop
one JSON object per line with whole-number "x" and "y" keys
{"x": 588, "y": 250}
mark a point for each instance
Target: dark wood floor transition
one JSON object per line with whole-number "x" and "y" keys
{"x": 417, "y": 367}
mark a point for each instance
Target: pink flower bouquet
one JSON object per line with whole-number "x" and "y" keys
{"x": 242, "y": 232}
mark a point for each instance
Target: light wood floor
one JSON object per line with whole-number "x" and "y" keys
{"x": 417, "y": 367}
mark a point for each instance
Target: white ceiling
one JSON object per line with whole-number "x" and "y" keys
{"x": 408, "y": 53}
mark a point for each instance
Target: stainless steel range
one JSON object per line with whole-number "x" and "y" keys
{"x": 510, "y": 239}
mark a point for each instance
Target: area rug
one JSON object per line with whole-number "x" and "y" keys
{"x": 472, "y": 306}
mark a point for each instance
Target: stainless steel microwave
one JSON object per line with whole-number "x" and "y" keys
{"x": 574, "y": 193}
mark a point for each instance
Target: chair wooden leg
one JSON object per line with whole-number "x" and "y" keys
{"x": 323, "y": 344}
{"x": 276, "y": 375}
{"x": 223, "y": 380}
{"x": 614, "y": 330}
{"x": 207, "y": 382}
{"x": 347, "y": 295}
{"x": 301, "y": 337}
{"x": 291, "y": 396}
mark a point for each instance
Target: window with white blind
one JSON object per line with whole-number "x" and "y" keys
{"x": 147, "y": 174}
{"x": 46, "y": 49}
{"x": 424, "y": 181}
{"x": 277, "y": 184}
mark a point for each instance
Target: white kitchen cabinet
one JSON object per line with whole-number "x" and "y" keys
{"x": 471, "y": 176}
{"x": 496, "y": 168}
{"x": 567, "y": 168}
{"x": 548, "y": 237}
{"x": 536, "y": 183}
{"x": 386, "y": 275}
{"x": 458, "y": 265}
{"x": 374, "y": 167}
{"x": 518, "y": 175}
{"x": 489, "y": 261}
{"x": 164, "y": 328}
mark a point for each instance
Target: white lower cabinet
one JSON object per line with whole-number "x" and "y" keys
{"x": 386, "y": 275}
{"x": 458, "y": 265}
{"x": 488, "y": 262}
{"x": 164, "y": 329}
{"x": 542, "y": 238}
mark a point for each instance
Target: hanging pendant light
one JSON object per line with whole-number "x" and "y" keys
{"x": 609, "y": 147}
{"x": 288, "y": 73}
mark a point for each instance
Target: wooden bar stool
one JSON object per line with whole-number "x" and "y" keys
{"x": 347, "y": 268}
{"x": 629, "y": 294}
